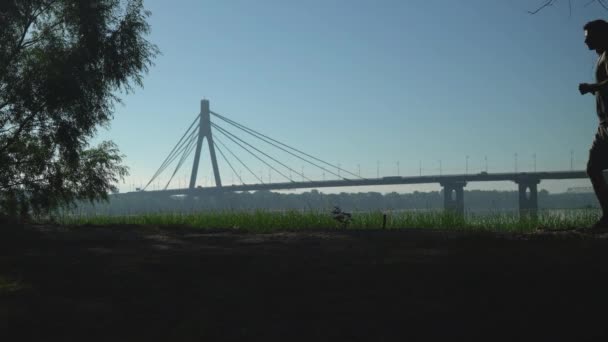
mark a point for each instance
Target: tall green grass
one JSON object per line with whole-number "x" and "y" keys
{"x": 269, "y": 221}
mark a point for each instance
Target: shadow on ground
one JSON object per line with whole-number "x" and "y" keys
{"x": 177, "y": 284}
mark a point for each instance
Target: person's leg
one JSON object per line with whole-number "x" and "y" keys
{"x": 598, "y": 161}
{"x": 601, "y": 190}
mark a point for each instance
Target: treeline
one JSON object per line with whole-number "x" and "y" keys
{"x": 475, "y": 200}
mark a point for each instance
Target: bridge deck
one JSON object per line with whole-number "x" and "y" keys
{"x": 393, "y": 180}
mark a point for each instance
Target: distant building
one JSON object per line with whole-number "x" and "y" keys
{"x": 580, "y": 190}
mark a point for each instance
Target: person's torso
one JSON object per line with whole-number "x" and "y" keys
{"x": 601, "y": 74}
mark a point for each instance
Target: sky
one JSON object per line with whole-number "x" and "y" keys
{"x": 387, "y": 87}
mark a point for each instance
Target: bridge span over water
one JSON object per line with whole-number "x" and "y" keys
{"x": 201, "y": 129}
{"x": 453, "y": 186}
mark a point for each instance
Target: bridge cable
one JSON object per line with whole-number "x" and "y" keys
{"x": 275, "y": 160}
{"x": 253, "y": 154}
{"x": 182, "y": 147}
{"x": 226, "y": 159}
{"x": 190, "y": 146}
{"x": 295, "y": 155}
{"x": 226, "y": 133}
{"x": 216, "y": 138}
{"x": 172, "y": 157}
{"x": 190, "y": 129}
{"x": 184, "y": 157}
{"x": 173, "y": 150}
{"x": 232, "y": 136}
{"x": 192, "y": 136}
{"x": 249, "y": 130}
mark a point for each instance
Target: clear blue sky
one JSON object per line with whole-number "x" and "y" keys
{"x": 356, "y": 82}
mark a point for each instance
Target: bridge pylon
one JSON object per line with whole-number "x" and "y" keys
{"x": 451, "y": 188}
{"x": 204, "y": 131}
{"x": 528, "y": 197}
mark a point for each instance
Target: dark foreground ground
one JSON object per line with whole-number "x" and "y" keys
{"x": 149, "y": 284}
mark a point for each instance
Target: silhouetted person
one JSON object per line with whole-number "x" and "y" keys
{"x": 596, "y": 38}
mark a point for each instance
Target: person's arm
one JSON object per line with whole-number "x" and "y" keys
{"x": 593, "y": 88}
{"x": 585, "y": 88}
{"x": 599, "y": 86}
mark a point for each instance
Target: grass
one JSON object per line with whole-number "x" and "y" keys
{"x": 9, "y": 285}
{"x": 269, "y": 221}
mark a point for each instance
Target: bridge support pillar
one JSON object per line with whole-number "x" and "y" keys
{"x": 205, "y": 132}
{"x": 528, "y": 197}
{"x": 453, "y": 196}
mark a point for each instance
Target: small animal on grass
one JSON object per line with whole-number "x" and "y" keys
{"x": 341, "y": 216}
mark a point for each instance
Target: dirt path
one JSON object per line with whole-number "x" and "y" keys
{"x": 152, "y": 284}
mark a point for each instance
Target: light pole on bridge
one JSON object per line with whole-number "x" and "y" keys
{"x": 571, "y": 160}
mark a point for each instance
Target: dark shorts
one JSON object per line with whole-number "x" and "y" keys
{"x": 598, "y": 153}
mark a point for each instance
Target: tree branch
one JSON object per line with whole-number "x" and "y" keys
{"x": 22, "y": 182}
{"x": 546, "y": 4}
{"x": 32, "y": 18}
{"x": 15, "y": 136}
{"x": 47, "y": 30}
{"x": 7, "y": 130}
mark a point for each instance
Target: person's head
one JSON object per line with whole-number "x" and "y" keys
{"x": 596, "y": 35}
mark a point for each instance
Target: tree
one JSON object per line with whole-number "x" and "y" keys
{"x": 62, "y": 65}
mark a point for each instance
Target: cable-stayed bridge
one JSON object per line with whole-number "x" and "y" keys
{"x": 203, "y": 128}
